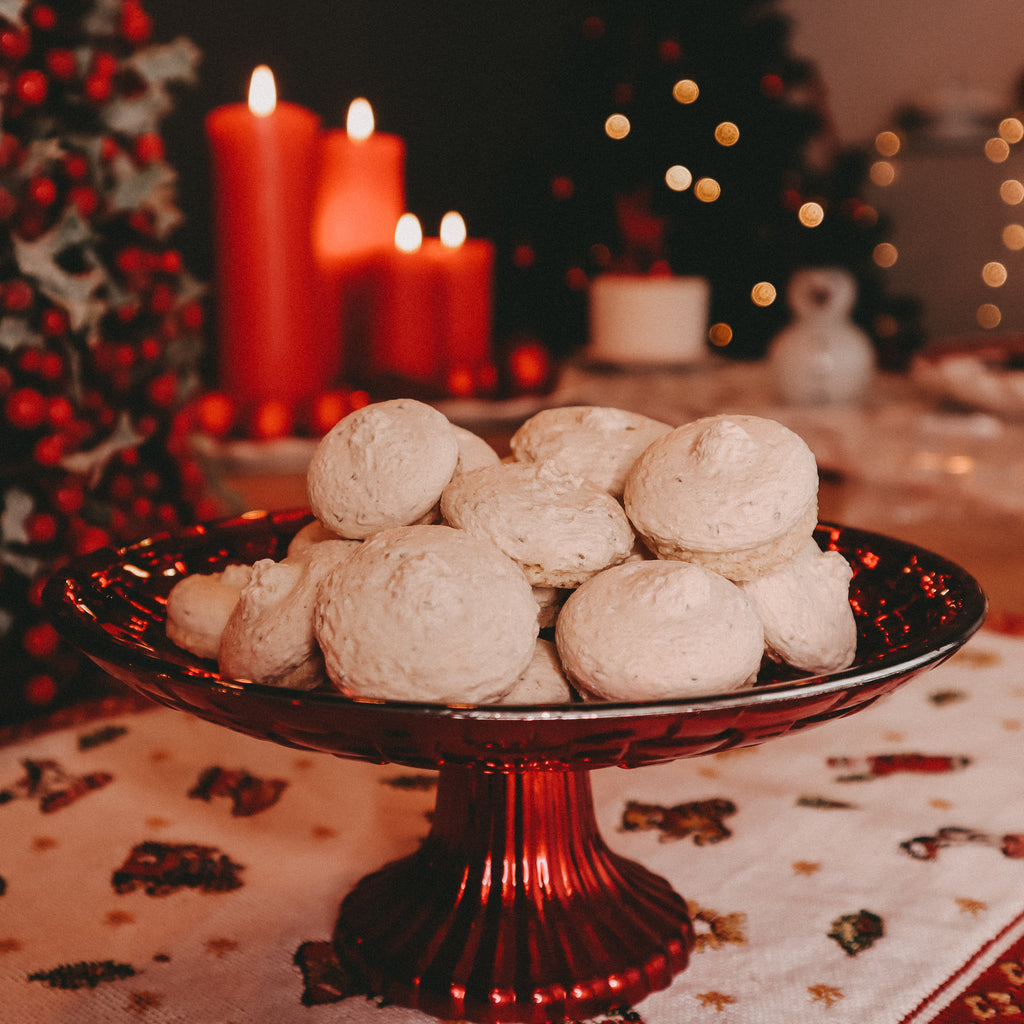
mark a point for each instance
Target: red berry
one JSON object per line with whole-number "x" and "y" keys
{"x": 170, "y": 262}
{"x": 53, "y": 322}
{"x": 85, "y": 198}
{"x": 76, "y": 166}
{"x": 61, "y": 63}
{"x": 192, "y": 316}
{"x": 31, "y": 87}
{"x": 41, "y": 527}
{"x": 90, "y": 538}
{"x": 130, "y": 259}
{"x": 48, "y": 450}
{"x": 25, "y": 409}
{"x": 18, "y": 295}
{"x": 40, "y": 690}
{"x": 14, "y": 45}
{"x": 136, "y": 25}
{"x": 104, "y": 64}
{"x": 42, "y": 191}
{"x": 8, "y": 204}
{"x": 10, "y": 150}
{"x": 108, "y": 148}
{"x": 69, "y": 498}
{"x": 60, "y": 411}
{"x": 163, "y": 389}
{"x": 40, "y": 640}
{"x": 150, "y": 348}
{"x": 44, "y": 17}
{"x": 162, "y": 299}
{"x": 149, "y": 148}
{"x": 215, "y": 413}
{"x": 51, "y": 366}
{"x": 98, "y": 87}
{"x": 30, "y": 360}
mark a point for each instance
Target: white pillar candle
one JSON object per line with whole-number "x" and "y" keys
{"x": 648, "y": 320}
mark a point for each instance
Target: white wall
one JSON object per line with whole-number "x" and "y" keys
{"x": 875, "y": 55}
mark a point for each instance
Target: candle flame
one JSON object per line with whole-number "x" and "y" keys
{"x": 408, "y": 233}
{"x": 359, "y": 123}
{"x": 453, "y": 230}
{"x": 262, "y": 91}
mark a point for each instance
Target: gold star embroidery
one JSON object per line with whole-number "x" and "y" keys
{"x": 140, "y": 1003}
{"x": 979, "y": 659}
{"x": 894, "y": 737}
{"x": 157, "y": 823}
{"x": 42, "y": 843}
{"x": 806, "y": 867}
{"x": 302, "y": 764}
{"x": 324, "y": 832}
{"x": 1011, "y": 724}
{"x": 707, "y": 772}
{"x": 116, "y": 918}
{"x": 940, "y": 804}
{"x": 9, "y": 945}
{"x": 219, "y": 947}
{"x": 826, "y": 994}
{"x": 719, "y": 1000}
{"x": 157, "y": 756}
{"x": 969, "y": 906}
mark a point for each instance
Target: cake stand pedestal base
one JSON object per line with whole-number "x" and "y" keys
{"x": 514, "y": 908}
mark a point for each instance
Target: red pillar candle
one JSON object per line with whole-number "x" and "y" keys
{"x": 264, "y": 159}
{"x": 360, "y": 196}
{"x": 433, "y": 307}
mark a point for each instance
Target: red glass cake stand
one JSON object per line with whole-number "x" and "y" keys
{"x": 514, "y": 908}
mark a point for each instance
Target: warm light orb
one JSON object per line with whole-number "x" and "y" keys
{"x": 1011, "y": 129}
{"x": 882, "y": 173}
{"x": 811, "y": 214}
{"x": 617, "y": 126}
{"x": 262, "y": 91}
{"x": 453, "y": 230}
{"x": 707, "y": 190}
{"x": 763, "y": 294}
{"x": 885, "y": 254}
{"x": 359, "y": 122}
{"x": 994, "y": 274}
{"x": 678, "y": 178}
{"x": 887, "y": 143}
{"x": 1011, "y": 192}
{"x": 1013, "y": 237}
{"x": 997, "y": 150}
{"x": 720, "y": 335}
{"x": 727, "y": 134}
{"x": 408, "y": 233}
{"x": 989, "y": 315}
{"x": 685, "y": 90}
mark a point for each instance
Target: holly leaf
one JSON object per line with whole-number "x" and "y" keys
{"x": 15, "y": 333}
{"x": 93, "y": 462}
{"x": 153, "y": 187}
{"x": 18, "y": 506}
{"x": 175, "y": 61}
{"x": 12, "y": 10}
{"x": 137, "y": 115}
{"x": 103, "y": 19}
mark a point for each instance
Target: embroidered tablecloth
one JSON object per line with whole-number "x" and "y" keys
{"x": 157, "y": 868}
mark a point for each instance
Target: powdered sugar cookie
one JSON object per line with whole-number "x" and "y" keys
{"x": 426, "y": 613}
{"x": 269, "y": 636}
{"x": 737, "y": 494}
{"x": 543, "y": 682}
{"x": 561, "y": 529}
{"x": 658, "y": 630}
{"x": 595, "y": 442}
{"x": 311, "y": 533}
{"x": 381, "y": 466}
{"x": 198, "y": 608}
{"x": 805, "y": 608}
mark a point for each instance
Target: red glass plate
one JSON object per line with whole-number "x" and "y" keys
{"x": 514, "y": 909}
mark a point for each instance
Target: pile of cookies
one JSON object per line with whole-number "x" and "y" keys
{"x": 610, "y": 557}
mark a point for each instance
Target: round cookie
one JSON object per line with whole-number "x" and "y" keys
{"x": 543, "y": 682}
{"x": 736, "y": 494}
{"x": 805, "y": 608}
{"x": 561, "y": 529}
{"x": 381, "y": 466}
{"x": 426, "y": 613}
{"x": 269, "y": 636}
{"x": 311, "y": 533}
{"x": 474, "y": 451}
{"x": 658, "y": 630}
{"x": 199, "y": 606}
{"x": 595, "y": 442}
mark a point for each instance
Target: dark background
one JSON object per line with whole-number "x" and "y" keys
{"x": 464, "y": 82}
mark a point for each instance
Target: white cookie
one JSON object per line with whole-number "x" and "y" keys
{"x": 543, "y": 682}
{"x": 737, "y": 494}
{"x": 658, "y": 630}
{"x": 474, "y": 451}
{"x": 269, "y": 636}
{"x": 805, "y": 608}
{"x": 595, "y": 442}
{"x": 383, "y": 465}
{"x": 561, "y": 529}
{"x": 426, "y": 613}
{"x": 311, "y": 533}
{"x": 198, "y": 608}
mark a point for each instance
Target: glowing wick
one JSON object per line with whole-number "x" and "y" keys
{"x": 262, "y": 91}
{"x": 453, "y": 230}
{"x": 359, "y": 124}
{"x": 408, "y": 233}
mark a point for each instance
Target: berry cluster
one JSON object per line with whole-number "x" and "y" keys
{"x": 100, "y": 323}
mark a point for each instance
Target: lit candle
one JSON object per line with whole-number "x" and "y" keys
{"x": 433, "y": 307}
{"x": 264, "y": 159}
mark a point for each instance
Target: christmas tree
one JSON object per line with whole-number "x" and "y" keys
{"x": 100, "y": 323}
{"x": 685, "y": 138}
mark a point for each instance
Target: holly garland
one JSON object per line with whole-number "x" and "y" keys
{"x": 100, "y": 322}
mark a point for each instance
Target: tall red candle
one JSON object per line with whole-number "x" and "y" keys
{"x": 264, "y": 157}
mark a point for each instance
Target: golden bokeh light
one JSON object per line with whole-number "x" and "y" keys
{"x": 1011, "y": 192}
{"x": 727, "y": 134}
{"x": 989, "y": 315}
{"x": 885, "y": 254}
{"x": 763, "y": 293}
{"x": 685, "y": 90}
{"x": 994, "y": 274}
{"x": 720, "y": 335}
{"x": 1011, "y": 129}
{"x": 882, "y": 173}
{"x": 678, "y": 178}
{"x": 887, "y": 143}
{"x": 1013, "y": 237}
{"x": 707, "y": 190}
{"x": 811, "y": 214}
{"x": 997, "y": 150}
{"x": 617, "y": 126}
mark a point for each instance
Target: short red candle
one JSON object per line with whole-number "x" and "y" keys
{"x": 433, "y": 311}
{"x": 268, "y": 284}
